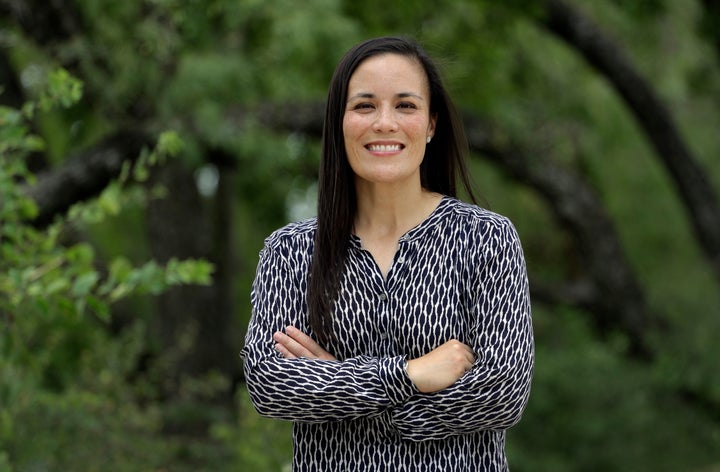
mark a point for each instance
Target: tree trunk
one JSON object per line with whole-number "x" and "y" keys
{"x": 195, "y": 323}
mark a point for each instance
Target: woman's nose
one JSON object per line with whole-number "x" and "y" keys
{"x": 385, "y": 121}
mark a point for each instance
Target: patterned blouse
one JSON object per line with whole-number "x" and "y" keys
{"x": 458, "y": 274}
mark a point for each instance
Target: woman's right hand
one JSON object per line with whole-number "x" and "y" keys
{"x": 441, "y": 367}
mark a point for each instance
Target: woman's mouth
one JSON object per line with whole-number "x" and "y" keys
{"x": 384, "y": 147}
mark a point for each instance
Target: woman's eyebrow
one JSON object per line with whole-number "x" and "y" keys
{"x": 409, "y": 95}
{"x": 362, "y": 95}
{"x": 372, "y": 95}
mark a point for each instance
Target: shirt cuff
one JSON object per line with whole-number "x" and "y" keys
{"x": 394, "y": 377}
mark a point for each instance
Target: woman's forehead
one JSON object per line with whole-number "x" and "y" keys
{"x": 389, "y": 72}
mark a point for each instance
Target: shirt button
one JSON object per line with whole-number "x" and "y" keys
{"x": 383, "y": 335}
{"x": 383, "y": 296}
{"x": 401, "y": 260}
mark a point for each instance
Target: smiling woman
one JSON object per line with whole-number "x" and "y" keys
{"x": 394, "y": 329}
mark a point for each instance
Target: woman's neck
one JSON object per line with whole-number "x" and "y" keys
{"x": 391, "y": 212}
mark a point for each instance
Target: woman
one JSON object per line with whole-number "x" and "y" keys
{"x": 394, "y": 329}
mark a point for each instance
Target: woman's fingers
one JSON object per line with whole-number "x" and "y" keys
{"x": 284, "y": 351}
{"x": 441, "y": 367}
{"x": 294, "y": 343}
{"x": 288, "y": 347}
{"x": 308, "y": 343}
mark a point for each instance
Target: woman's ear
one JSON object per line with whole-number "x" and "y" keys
{"x": 431, "y": 126}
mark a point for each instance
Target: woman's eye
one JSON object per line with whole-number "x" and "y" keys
{"x": 363, "y": 106}
{"x": 407, "y": 106}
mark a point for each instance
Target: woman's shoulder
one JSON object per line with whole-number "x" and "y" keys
{"x": 295, "y": 235}
{"x": 485, "y": 230}
{"x": 481, "y": 218}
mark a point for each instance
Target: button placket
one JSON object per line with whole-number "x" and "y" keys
{"x": 407, "y": 249}
{"x": 399, "y": 264}
{"x": 384, "y": 321}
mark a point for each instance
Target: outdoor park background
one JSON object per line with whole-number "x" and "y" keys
{"x": 124, "y": 289}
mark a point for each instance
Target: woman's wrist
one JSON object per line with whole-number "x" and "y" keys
{"x": 406, "y": 363}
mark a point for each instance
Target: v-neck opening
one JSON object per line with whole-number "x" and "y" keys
{"x": 414, "y": 233}
{"x": 416, "y": 230}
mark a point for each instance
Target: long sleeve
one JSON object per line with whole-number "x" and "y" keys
{"x": 307, "y": 390}
{"x": 493, "y": 395}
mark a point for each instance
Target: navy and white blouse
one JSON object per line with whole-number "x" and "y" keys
{"x": 460, "y": 274}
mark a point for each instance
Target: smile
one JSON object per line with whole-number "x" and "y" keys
{"x": 384, "y": 147}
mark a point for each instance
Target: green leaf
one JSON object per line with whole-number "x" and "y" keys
{"x": 169, "y": 144}
{"x": 125, "y": 171}
{"x": 58, "y": 285}
{"x": 33, "y": 143}
{"x": 101, "y": 309}
{"x": 28, "y": 110}
{"x": 120, "y": 291}
{"x": 62, "y": 89}
{"x": 81, "y": 253}
{"x": 110, "y": 200}
{"x": 141, "y": 171}
{"x": 84, "y": 283}
{"x": 27, "y": 208}
{"x": 10, "y": 117}
{"x": 189, "y": 271}
{"x": 120, "y": 270}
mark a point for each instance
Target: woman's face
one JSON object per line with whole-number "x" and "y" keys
{"x": 387, "y": 120}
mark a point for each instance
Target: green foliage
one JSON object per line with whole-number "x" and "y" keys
{"x": 257, "y": 443}
{"x": 91, "y": 405}
{"x": 62, "y": 90}
{"x": 52, "y": 292}
{"x": 37, "y": 270}
{"x": 593, "y": 410}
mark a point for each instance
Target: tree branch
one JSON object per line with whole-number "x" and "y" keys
{"x": 610, "y": 291}
{"x": 84, "y": 175}
{"x": 598, "y": 49}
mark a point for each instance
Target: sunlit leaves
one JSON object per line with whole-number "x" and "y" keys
{"x": 169, "y": 144}
{"x": 14, "y": 133}
{"x": 37, "y": 270}
{"x": 62, "y": 89}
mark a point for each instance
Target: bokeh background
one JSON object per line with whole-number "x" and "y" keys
{"x": 124, "y": 288}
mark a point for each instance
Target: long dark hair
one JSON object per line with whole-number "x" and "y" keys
{"x": 443, "y": 162}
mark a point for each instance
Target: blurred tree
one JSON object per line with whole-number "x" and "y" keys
{"x": 694, "y": 188}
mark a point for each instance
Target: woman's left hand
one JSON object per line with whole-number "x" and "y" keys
{"x": 293, "y": 343}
